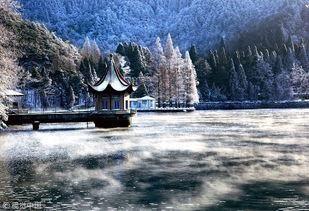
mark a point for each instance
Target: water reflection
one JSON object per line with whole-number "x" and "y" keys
{"x": 256, "y": 160}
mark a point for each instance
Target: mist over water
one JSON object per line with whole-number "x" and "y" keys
{"x": 250, "y": 160}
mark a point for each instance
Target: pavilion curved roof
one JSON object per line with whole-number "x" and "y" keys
{"x": 112, "y": 82}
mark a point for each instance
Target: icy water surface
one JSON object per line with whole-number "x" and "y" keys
{"x": 211, "y": 160}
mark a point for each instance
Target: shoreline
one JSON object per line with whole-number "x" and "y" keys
{"x": 166, "y": 110}
{"x": 252, "y": 105}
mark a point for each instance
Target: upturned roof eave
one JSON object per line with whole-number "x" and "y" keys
{"x": 109, "y": 90}
{"x": 114, "y": 82}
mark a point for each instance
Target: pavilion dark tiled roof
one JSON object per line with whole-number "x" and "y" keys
{"x": 112, "y": 82}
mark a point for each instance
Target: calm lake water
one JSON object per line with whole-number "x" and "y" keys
{"x": 222, "y": 160}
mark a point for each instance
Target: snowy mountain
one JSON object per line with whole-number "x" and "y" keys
{"x": 49, "y": 65}
{"x": 200, "y": 22}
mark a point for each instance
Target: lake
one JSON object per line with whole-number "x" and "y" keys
{"x": 205, "y": 160}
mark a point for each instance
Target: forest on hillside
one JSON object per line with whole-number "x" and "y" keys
{"x": 267, "y": 61}
{"x": 198, "y": 22}
{"x": 250, "y": 74}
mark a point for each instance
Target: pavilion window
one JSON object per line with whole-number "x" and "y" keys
{"x": 105, "y": 104}
{"x": 116, "y": 104}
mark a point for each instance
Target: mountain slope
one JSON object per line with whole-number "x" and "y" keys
{"x": 200, "y": 22}
{"x": 50, "y": 65}
{"x": 290, "y": 24}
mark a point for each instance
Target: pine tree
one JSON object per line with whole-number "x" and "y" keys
{"x": 223, "y": 43}
{"x": 95, "y": 52}
{"x": 202, "y": 70}
{"x": 91, "y": 51}
{"x": 263, "y": 78}
{"x": 278, "y": 66}
{"x": 291, "y": 44}
{"x": 169, "y": 48}
{"x": 220, "y": 74}
{"x": 193, "y": 54}
{"x": 267, "y": 55}
{"x": 179, "y": 78}
{"x": 170, "y": 56}
{"x": 236, "y": 58}
{"x": 233, "y": 82}
{"x": 284, "y": 50}
{"x": 304, "y": 57}
{"x": 243, "y": 82}
{"x": 159, "y": 65}
{"x": 256, "y": 53}
{"x": 300, "y": 80}
{"x": 86, "y": 49}
{"x": 250, "y": 62}
{"x": 191, "y": 82}
{"x": 91, "y": 55}
{"x": 224, "y": 57}
{"x": 283, "y": 87}
{"x": 212, "y": 60}
{"x": 290, "y": 60}
{"x": 253, "y": 91}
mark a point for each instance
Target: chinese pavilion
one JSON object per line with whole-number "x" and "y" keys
{"x": 112, "y": 98}
{"x": 112, "y": 91}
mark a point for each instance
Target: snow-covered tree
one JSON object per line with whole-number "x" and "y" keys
{"x": 159, "y": 65}
{"x": 283, "y": 89}
{"x": 192, "y": 96}
{"x": 253, "y": 91}
{"x": 174, "y": 78}
{"x": 263, "y": 78}
{"x": 300, "y": 80}
{"x": 203, "y": 69}
{"x": 169, "y": 48}
{"x": 170, "y": 69}
{"x": 243, "y": 82}
{"x": 91, "y": 51}
{"x": 234, "y": 86}
{"x": 304, "y": 59}
{"x": 178, "y": 79}
{"x": 96, "y": 52}
{"x": 86, "y": 50}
